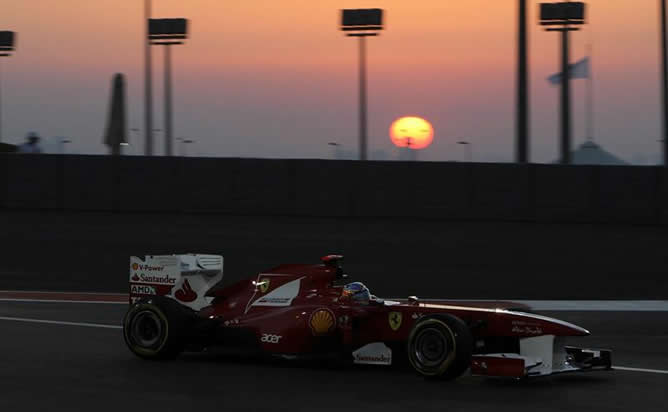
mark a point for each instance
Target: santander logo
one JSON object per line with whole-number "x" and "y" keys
{"x": 186, "y": 293}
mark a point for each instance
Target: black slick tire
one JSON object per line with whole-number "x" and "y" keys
{"x": 440, "y": 347}
{"x": 154, "y": 328}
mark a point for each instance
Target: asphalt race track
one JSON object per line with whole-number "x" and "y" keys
{"x": 71, "y": 356}
{"x": 55, "y": 366}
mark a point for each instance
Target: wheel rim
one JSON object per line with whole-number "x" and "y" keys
{"x": 431, "y": 347}
{"x": 146, "y": 329}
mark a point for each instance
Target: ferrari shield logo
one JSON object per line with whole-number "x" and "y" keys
{"x": 263, "y": 285}
{"x": 395, "y": 320}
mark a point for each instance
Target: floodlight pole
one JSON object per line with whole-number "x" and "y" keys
{"x": 0, "y": 100}
{"x": 364, "y": 23}
{"x": 565, "y": 98}
{"x": 565, "y": 104}
{"x": 522, "y": 143}
{"x": 469, "y": 149}
{"x": 164, "y": 32}
{"x": 362, "y": 92}
{"x": 363, "y": 102}
{"x": 168, "y": 100}
{"x": 4, "y": 52}
{"x": 664, "y": 75}
{"x": 1, "y": 55}
{"x": 148, "y": 84}
{"x": 566, "y": 15}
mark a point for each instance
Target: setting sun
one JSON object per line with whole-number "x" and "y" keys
{"x": 412, "y": 132}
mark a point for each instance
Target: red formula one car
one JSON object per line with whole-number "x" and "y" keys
{"x": 312, "y": 310}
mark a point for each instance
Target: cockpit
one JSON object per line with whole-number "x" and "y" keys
{"x": 356, "y": 292}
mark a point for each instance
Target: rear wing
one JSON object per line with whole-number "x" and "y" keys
{"x": 185, "y": 278}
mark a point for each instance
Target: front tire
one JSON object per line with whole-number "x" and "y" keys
{"x": 153, "y": 328}
{"x": 440, "y": 347}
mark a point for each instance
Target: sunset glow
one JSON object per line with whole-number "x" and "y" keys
{"x": 289, "y": 87}
{"x": 412, "y": 132}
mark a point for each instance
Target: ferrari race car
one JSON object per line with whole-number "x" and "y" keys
{"x": 176, "y": 305}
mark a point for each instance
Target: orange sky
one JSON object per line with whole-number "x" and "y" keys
{"x": 280, "y": 72}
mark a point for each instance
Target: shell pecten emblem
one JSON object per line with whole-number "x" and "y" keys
{"x": 322, "y": 322}
{"x": 395, "y": 320}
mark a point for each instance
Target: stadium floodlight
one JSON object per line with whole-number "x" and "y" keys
{"x": 566, "y": 15}
{"x": 7, "y": 42}
{"x": 168, "y": 32}
{"x": 361, "y": 19}
{"x": 7, "y": 46}
{"x": 362, "y": 23}
{"x": 554, "y": 14}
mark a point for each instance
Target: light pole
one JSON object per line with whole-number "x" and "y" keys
{"x": 411, "y": 153}
{"x": 522, "y": 143}
{"x": 664, "y": 77}
{"x": 564, "y": 14}
{"x": 62, "y": 141}
{"x": 362, "y": 23}
{"x": 167, "y": 32}
{"x": 148, "y": 82}
{"x": 7, "y": 45}
{"x": 337, "y": 151}
{"x": 469, "y": 149}
{"x": 184, "y": 142}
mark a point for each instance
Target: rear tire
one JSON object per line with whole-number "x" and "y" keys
{"x": 440, "y": 347}
{"x": 154, "y": 328}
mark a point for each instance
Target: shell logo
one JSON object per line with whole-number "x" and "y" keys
{"x": 135, "y": 266}
{"x": 322, "y": 322}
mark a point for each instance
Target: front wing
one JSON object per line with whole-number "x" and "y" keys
{"x": 541, "y": 356}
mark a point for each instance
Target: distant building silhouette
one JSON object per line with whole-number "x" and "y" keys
{"x": 7, "y": 148}
{"x": 31, "y": 145}
{"x": 590, "y": 153}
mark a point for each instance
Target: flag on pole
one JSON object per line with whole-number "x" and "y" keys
{"x": 577, "y": 70}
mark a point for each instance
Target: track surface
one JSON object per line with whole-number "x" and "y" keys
{"x": 64, "y": 367}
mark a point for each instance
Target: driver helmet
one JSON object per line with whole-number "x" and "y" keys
{"x": 356, "y": 292}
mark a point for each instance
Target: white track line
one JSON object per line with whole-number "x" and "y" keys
{"x": 578, "y": 305}
{"x": 67, "y": 292}
{"x": 625, "y": 368}
{"x": 599, "y": 305}
{"x": 57, "y": 322}
{"x": 540, "y": 305}
{"x": 60, "y": 301}
{"x": 98, "y": 325}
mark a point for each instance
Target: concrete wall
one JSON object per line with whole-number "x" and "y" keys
{"x": 89, "y": 251}
{"x": 322, "y": 188}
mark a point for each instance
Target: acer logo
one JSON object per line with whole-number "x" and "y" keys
{"x": 186, "y": 292}
{"x": 268, "y": 338}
